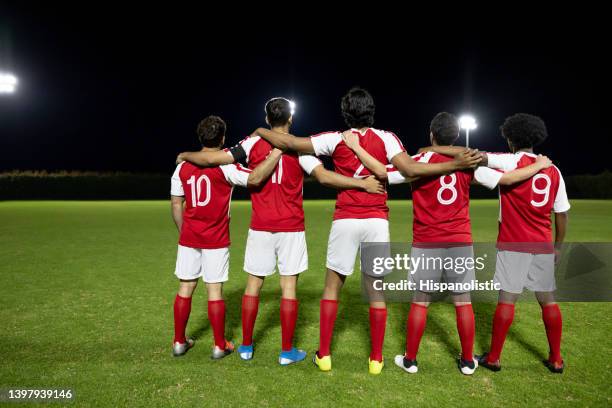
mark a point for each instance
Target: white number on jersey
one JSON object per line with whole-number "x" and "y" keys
{"x": 544, "y": 191}
{"x": 448, "y": 186}
{"x": 277, "y": 176}
{"x": 196, "y": 190}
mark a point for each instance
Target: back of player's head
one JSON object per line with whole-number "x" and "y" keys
{"x": 444, "y": 128}
{"x": 358, "y": 108}
{"x": 278, "y": 111}
{"x": 211, "y": 131}
{"x": 523, "y": 130}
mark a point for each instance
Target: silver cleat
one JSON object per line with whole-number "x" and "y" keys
{"x": 218, "y": 353}
{"x": 179, "y": 349}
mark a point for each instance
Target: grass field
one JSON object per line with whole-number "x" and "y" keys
{"x": 86, "y": 291}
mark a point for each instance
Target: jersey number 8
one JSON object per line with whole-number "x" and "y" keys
{"x": 450, "y": 186}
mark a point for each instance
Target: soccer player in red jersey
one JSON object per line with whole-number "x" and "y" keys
{"x": 359, "y": 216}
{"x": 276, "y": 236}
{"x": 526, "y": 253}
{"x": 200, "y": 209}
{"x": 442, "y": 231}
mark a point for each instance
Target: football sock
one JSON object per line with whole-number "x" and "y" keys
{"x": 504, "y": 314}
{"x": 465, "y": 328}
{"x": 415, "y": 326}
{"x": 327, "y": 318}
{"x": 288, "y": 317}
{"x": 250, "y": 305}
{"x": 551, "y": 315}
{"x": 378, "y": 322}
{"x": 216, "y": 316}
{"x": 182, "y": 309}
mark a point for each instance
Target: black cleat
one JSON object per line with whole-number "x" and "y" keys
{"x": 553, "y": 368}
{"x": 482, "y": 361}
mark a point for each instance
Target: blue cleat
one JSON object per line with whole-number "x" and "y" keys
{"x": 245, "y": 352}
{"x": 292, "y": 356}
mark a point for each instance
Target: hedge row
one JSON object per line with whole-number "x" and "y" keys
{"x": 28, "y": 185}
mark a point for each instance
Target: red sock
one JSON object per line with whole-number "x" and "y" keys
{"x": 250, "y": 305}
{"x": 288, "y": 317}
{"x": 216, "y": 316}
{"x": 378, "y": 322}
{"x": 415, "y": 326}
{"x": 504, "y": 314}
{"x": 327, "y": 318}
{"x": 182, "y": 309}
{"x": 551, "y": 314}
{"x": 465, "y": 328}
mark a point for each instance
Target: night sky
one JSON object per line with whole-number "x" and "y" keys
{"x": 101, "y": 90}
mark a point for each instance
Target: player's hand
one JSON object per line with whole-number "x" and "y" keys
{"x": 468, "y": 159}
{"x": 543, "y": 162}
{"x": 557, "y": 256}
{"x": 276, "y": 152}
{"x": 351, "y": 139}
{"x": 372, "y": 185}
{"x": 180, "y": 158}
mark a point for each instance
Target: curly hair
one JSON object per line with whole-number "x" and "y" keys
{"x": 278, "y": 111}
{"x": 523, "y": 130}
{"x": 445, "y": 128}
{"x": 358, "y": 108}
{"x": 211, "y": 131}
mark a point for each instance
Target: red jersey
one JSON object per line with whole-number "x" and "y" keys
{"x": 353, "y": 203}
{"x": 441, "y": 206}
{"x": 207, "y": 193}
{"x": 525, "y": 208}
{"x": 277, "y": 204}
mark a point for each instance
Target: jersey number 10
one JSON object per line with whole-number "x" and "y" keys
{"x": 196, "y": 190}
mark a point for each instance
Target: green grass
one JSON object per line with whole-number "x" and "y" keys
{"x": 86, "y": 291}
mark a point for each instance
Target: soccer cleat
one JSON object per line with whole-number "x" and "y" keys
{"x": 179, "y": 349}
{"x": 375, "y": 367}
{"x": 218, "y": 353}
{"x": 482, "y": 361}
{"x": 553, "y": 367}
{"x": 245, "y": 352}
{"x": 324, "y": 363}
{"x": 409, "y": 366}
{"x": 292, "y": 356}
{"x": 467, "y": 367}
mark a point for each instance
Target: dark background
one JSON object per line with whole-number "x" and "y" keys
{"x": 105, "y": 88}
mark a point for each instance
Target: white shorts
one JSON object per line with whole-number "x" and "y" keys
{"x": 264, "y": 250}
{"x": 210, "y": 264}
{"x": 515, "y": 271}
{"x": 346, "y": 236}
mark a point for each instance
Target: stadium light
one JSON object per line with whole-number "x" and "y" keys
{"x": 467, "y": 123}
{"x": 8, "y": 83}
{"x": 292, "y": 106}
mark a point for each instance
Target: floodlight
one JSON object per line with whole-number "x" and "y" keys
{"x": 8, "y": 83}
{"x": 467, "y": 122}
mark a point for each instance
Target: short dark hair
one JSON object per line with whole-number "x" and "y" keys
{"x": 211, "y": 131}
{"x": 358, "y": 108}
{"x": 524, "y": 130}
{"x": 445, "y": 128}
{"x": 278, "y": 111}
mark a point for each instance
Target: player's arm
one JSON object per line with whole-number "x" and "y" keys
{"x": 332, "y": 179}
{"x": 410, "y": 168}
{"x": 522, "y": 174}
{"x": 561, "y": 219}
{"x": 370, "y": 162}
{"x": 209, "y": 159}
{"x": 263, "y": 170}
{"x": 176, "y": 204}
{"x": 284, "y": 141}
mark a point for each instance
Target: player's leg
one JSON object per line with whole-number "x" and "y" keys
{"x": 188, "y": 270}
{"x": 342, "y": 250}
{"x": 259, "y": 262}
{"x": 541, "y": 280}
{"x": 376, "y": 230}
{"x": 292, "y": 255}
{"x": 215, "y": 267}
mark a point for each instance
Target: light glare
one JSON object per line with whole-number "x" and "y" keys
{"x": 292, "y": 106}
{"x": 8, "y": 83}
{"x": 467, "y": 122}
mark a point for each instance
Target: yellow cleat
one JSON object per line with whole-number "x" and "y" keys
{"x": 375, "y": 367}
{"x": 324, "y": 363}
